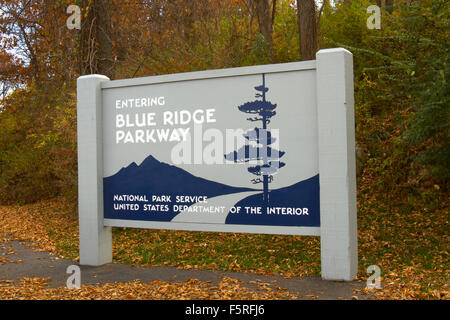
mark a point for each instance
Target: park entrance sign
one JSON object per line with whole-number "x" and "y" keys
{"x": 263, "y": 149}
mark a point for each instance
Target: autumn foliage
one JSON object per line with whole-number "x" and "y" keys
{"x": 401, "y": 93}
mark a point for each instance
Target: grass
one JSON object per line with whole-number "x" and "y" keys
{"x": 408, "y": 242}
{"x": 262, "y": 254}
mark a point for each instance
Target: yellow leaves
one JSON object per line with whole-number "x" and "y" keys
{"x": 33, "y": 223}
{"x": 235, "y": 266}
{"x": 34, "y": 282}
{"x": 441, "y": 294}
{"x": 382, "y": 242}
{"x": 227, "y": 288}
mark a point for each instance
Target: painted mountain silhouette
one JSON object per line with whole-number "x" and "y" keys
{"x": 153, "y": 177}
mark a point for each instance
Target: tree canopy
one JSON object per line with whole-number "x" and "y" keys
{"x": 401, "y": 73}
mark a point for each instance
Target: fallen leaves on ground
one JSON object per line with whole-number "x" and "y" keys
{"x": 41, "y": 225}
{"x": 410, "y": 247}
{"x": 409, "y": 242}
{"x": 227, "y": 289}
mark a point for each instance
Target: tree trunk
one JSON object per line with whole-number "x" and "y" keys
{"x": 390, "y": 5}
{"x": 265, "y": 20}
{"x": 105, "y": 62}
{"x": 306, "y": 18}
{"x": 86, "y": 41}
{"x": 95, "y": 43}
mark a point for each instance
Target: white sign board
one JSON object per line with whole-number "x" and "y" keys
{"x": 264, "y": 149}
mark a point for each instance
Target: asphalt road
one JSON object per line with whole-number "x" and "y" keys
{"x": 44, "y": 264}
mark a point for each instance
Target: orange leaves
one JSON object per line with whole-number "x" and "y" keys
{"x": 409, "y": 248}
{"x": 228, "y": 288}
{"x": 34, "y": 222}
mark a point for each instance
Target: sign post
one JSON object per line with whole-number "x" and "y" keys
{"x": 95, "y": 238}
{"x": 263, "y": 149}
{"x": 335, "y": 110}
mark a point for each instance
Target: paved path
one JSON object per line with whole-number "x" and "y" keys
{"x": 43, "y": 265}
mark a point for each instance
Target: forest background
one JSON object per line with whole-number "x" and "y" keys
{"x": 400, "y": 72}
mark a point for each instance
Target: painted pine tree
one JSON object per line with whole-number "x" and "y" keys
{"x": 260, "y": 138}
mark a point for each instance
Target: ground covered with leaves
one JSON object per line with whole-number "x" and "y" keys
{"x": 228, "y": 288}
{"x": 410, "y": 246}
